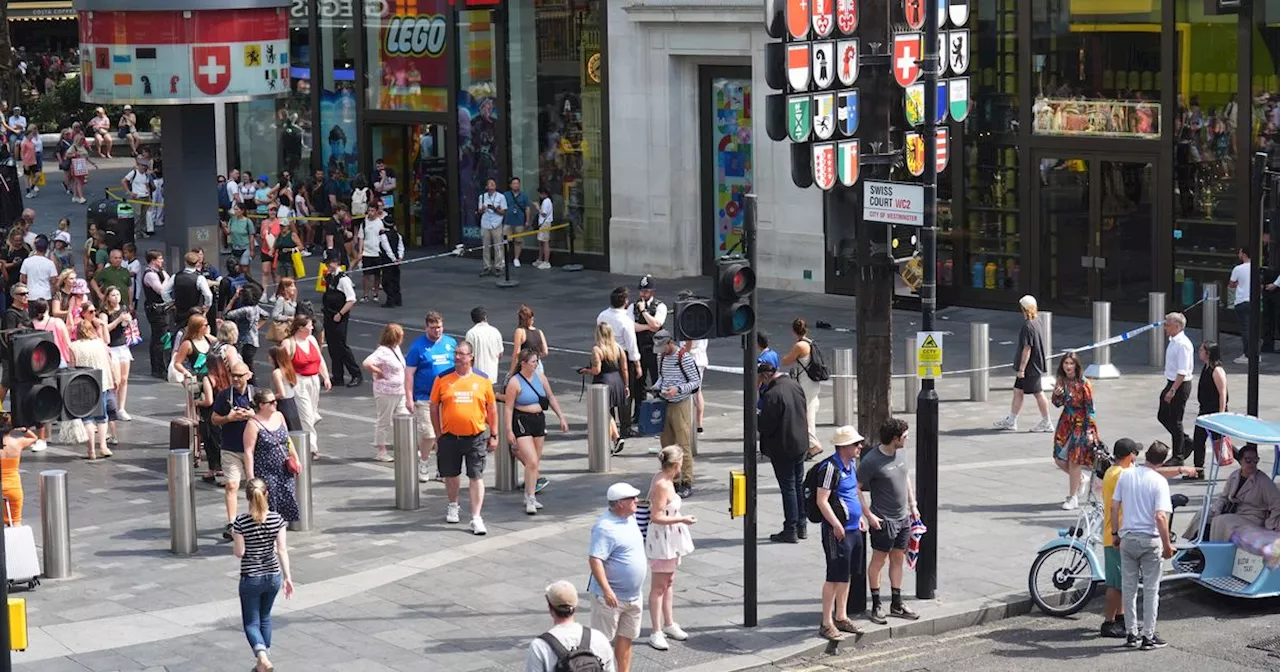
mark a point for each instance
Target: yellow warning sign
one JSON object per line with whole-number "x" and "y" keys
{"x": 929, "y": 354}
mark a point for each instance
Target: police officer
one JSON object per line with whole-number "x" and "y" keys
{"x": 154, "y": 306}
{"x": 338, "y": 300}
{"x": 391, "y": 245}
{"x": 186, "y": 290}
{"x": 650, "y": 315}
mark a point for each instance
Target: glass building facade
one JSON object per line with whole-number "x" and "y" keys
{"x": 451, "y": 93}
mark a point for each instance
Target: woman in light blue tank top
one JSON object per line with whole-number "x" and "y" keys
{"x": 528, "y": 396}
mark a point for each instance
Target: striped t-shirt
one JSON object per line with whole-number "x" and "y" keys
{"x": 260, "y": 557}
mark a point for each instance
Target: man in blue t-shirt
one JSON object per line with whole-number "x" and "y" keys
{"x": 430, "y": 356}
{"x": 232, "y": 409}
{"x": 842, "y": 526}
{"x": 516, "y": 218}
{"x": 618, "y": 569}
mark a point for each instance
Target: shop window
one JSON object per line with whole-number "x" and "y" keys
{"x": 478, "y": 160}
{"x": 275, "y": 135}
{"x": 1205, "y": 202}
{"x": 407, "y": 43}
{"x": 1096, "y": 66}
{"x": 729, "y": 146}
{"x": 335, "y": 63}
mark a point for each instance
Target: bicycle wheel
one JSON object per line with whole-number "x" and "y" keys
{"x": 1061, "y": 581}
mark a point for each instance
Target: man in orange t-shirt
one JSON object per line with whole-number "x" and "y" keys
{"x": 465, "y": 416}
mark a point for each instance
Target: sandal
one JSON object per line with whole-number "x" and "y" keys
{"x": 830, "y": 633}
{"x": 106, "y": 452}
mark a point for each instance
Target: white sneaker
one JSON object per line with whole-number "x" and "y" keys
{"x": 424, "y": 474}
{"x": 536, "y": 503}
{"x": 477, "y": 527}
{"x": 383, "y": 456}
{"x": 1008, "y": 422}
{"x": 515, "y": 262}
{"x": 35, "y": 190}
{"x": 655, "y": 449}
{"x": 451, "y": 513}
{"x": 529, "y": 506}
{"x": 1242, "y": 359}
{"x": 658, "y": 641}
{"x": 39, "y": 446}
{"x": 306, "y": 253}
{"x": 1044, "y": 426}
{"x": 674, "y": 631}
{"x": 1070, "y": 503}
{"x": 123, "y": 415}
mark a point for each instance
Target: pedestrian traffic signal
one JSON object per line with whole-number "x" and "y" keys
{"x": 80, "y": 392}
{"x": 34, "y": 360}
{"x": 695, "y": 319}
{"x": 904, "y": 242}
{"x": 735, "y": 282}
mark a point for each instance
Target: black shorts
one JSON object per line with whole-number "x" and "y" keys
{"x": 529, "y": 424}
{"x": 266, "y": 257}
{"x": 454, "y": 450}
{"x": 892, "y": 535}
{"x": 842, "y": 556}
{"x": 1028, "y": 383}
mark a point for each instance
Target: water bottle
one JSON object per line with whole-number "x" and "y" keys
{"x": 990, "y": 275}
{"x": 977, "y": 275}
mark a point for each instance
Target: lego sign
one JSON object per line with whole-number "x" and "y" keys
{"x": 412, "y": 69}
{"x": 415, "y": 36}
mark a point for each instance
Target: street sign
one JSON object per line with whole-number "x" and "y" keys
{"x": 893, "y": 203}
{"x": 929, "y": 354}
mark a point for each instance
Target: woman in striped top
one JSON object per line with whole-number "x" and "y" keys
{"x": 264, "y": 566}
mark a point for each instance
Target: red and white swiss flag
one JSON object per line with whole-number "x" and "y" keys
{"x": 211, "y": 68}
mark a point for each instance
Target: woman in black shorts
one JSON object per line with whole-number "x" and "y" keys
{"x": 528, "y": 396}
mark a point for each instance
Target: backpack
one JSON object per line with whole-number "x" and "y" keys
{"x": 813, "y": 481}
{"x": 817, "y": 368}
{"x": 580, "y": 659}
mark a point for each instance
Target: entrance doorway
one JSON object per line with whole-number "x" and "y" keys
{"x": 420, "y": 205}
{"x": 1097, "y": 220}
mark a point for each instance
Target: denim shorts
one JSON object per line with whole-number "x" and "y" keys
{"x": 110, "y": 407}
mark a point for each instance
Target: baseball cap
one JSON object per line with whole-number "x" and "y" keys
{"x": 562, "y": 594}
{"x": 661, "y": 337}
{"x": 128, "y": 107}
{"x": 646, "y": 282}
{"x": 846, "y": 436}
{"x": 62, "y": 236}
{"x": 263, "y": 179}
{"x": 619, "y": 491}
{"x": 330, "y": 256}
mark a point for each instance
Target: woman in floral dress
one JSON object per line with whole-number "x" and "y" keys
{"x": 1077, "y": 433}
{"x": 266, "y": 448}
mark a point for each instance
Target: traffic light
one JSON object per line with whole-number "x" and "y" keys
{"x": 904, "y": 242}
{"x": 695, "y": 319}
{"x": 735, "y": 282}
{"x": 80, "y": 392}
{"x": 34, "y": 360}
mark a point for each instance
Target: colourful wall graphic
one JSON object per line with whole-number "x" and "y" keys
{"x": 731, "y": 158}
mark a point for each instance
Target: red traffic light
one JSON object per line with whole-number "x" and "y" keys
{"x": 736, "y": 280}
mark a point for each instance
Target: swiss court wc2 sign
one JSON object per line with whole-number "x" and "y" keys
{"x": 178, "y": 57}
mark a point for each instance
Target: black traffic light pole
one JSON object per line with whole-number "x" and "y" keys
{"x": 750, "y": 395}
{"x": 927, "y": 401}
{"x": 1258, "y": 257}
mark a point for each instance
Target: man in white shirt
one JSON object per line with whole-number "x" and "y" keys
{"x": 562, "y": 602}
{"x": 1241, "y": 279}
{"x": 137, "y": 185}
{"x": 1179, "y": 358}
{"x": 1142, "y": 534}
{"x": 493, "y": 212}
{"x": 370, "y": 238}
{"x": 38, "y": 272}
{"x": 486, "y": 345}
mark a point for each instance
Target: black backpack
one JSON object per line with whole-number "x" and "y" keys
{"x": 817, "y": 368}
{"x": 813, "y": 481}
{"x": 580, "y": 659}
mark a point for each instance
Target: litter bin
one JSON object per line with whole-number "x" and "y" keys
{"x": 115, "y": 219}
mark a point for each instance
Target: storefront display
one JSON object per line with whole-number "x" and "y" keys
{"x": 1097, "y": 118}
{"x": 730, "y": 146}
{"x": 407, "y": 59}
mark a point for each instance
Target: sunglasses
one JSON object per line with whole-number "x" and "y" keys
{"x": 268, "y": 401}
{"x": 20, "y": 293}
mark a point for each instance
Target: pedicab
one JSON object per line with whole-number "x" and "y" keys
{"x": 1068, "y": 570}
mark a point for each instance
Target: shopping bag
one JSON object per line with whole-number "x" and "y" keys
{"x": 40, "y": 181}
{"x": 132, "y": 333}
{"x": 653, "y": 415}
{"x": 1225, "y": 451}
{"x": 79, "y": 167}
{"x": 299, "y": 270}
{"x": 320, "y": 284}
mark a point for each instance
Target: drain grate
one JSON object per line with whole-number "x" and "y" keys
{"x": 1270, "y": 645}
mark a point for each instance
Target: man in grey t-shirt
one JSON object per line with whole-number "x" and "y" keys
{"x": 889, "y": 506}
{"x": 1029, "y": 364}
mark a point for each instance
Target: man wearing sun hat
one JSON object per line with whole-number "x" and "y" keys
{"x": 566, "y": 638}
{"x": 842, "y": 527}
{"x": 618, "y": 569}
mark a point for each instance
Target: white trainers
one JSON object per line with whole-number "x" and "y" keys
{"x": 477, "y": 527}
{"x": 1070, "y": 503}
{"x": 123, "y": 415}
{"x": 424, "y": 474}
{"x": 530, "y": 507}
{"x": 658, "y": 641}
{"x": 674, "y": 631}
{"x": 515, "y": 262}
{"x": 39, "y": 446}
{"x": 1242, "y": 359}
{"x": 451, "y": 513}
{"x": 1044, "y": 426}
{"x": 1008, "y": 422}
{"x": 383, "y": 456}
{"x": 536, "y": 503}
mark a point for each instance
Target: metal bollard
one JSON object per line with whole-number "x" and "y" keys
{"x": 1209, "y": 328}
{"x": 506, "y": 478}
{"x": 182, "y": 502}
{"x": 302, "y": 483}
{"x": 1102, "y": 366}
{"x": 979, "y": 360}
{"x": 842, "y": 382}
{"x": 912, "y": 383}
{"x": 404, "y": 440}
{"x": 598, "y": 448}
{"x": 1155, "y": 338}
{"x": 1046, "y": 329}
{"x": 55, "y": 524}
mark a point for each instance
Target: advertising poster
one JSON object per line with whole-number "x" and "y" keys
{"x": 409, "y": 64}
{"x": 477, "y": 118}
{"x": 337, "y": 137}
{"x": 731, "y": 154}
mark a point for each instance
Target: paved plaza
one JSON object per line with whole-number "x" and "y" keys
{"x": 382, "y": 589}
